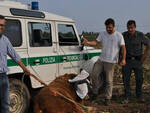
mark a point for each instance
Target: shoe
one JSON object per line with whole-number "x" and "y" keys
{"x": 107, "y": 102}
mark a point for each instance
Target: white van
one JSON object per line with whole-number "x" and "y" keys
{"x": 49, "y": 46}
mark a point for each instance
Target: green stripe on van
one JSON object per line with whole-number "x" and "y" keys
{"x": 10, "y": 62}
{"x": 54, "y": 59}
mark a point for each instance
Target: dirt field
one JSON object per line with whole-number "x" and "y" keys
{"x": 117, "y": 105}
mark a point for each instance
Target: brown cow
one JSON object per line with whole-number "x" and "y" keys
{"x": 45, "y": 102}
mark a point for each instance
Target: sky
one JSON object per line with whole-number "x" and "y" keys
{"x": 90, "y": 15}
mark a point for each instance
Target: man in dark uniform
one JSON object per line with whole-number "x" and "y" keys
{"x": 135, "y": 57}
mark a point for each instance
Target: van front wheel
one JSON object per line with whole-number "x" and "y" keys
{"x": 19, "y": 96}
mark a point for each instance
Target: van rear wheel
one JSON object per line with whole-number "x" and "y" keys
{"x": 19, "y": 96}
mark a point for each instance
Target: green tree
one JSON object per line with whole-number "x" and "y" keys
{"x": 148, "y": 35}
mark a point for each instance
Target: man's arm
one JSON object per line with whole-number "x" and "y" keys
{"x": 145, "y": 52}
{"x": 90, "y": 43}
{"x": 123, "y": 51}
{"x": 145, "y": 41}
{"x": 20, "y": 63}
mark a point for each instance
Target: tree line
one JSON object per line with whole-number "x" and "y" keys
{"x": 93, "y": 35}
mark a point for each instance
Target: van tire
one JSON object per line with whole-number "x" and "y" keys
{"x": 19, "y": 96}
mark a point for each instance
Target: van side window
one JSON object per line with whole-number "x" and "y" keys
{"x": 66, "y": 35}
{"x": 13, "y": 32}
{"x": 39, "y": 34}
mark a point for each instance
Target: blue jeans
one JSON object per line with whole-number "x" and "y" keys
{"x": 4, "y": 93}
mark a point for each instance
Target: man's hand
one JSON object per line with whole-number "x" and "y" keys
{"x": 27, "y": 72}
{"x": 123, "y": 63}
{"x": 84, "y": 41}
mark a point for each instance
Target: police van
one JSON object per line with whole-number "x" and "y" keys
{"x": 49, "y": 46}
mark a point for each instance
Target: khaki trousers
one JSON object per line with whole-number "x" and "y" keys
{"x": 98, "y": 68}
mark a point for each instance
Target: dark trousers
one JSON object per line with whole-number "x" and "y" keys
{"x": 4, "y": 93}
{"x": 136, "y": 66}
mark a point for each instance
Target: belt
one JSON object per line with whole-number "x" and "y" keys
{"x": 134, "y": 57}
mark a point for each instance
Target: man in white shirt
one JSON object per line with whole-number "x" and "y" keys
{"x": 112, "y": 42}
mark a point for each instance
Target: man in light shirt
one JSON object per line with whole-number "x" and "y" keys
{"x": 6, "y": 48}
{"x": 112, "y": 42}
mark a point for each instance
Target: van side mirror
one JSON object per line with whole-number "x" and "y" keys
{"x": 82, "y": 45}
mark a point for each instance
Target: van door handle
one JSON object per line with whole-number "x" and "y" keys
{"x": 64, "y": 59}
{"x": 37, "y": 61}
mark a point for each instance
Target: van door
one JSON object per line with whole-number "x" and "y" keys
{"x": 69, "y": 52}
{"x": 42, "y": 51}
